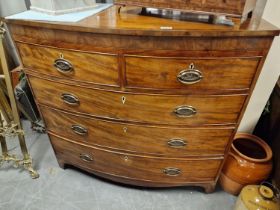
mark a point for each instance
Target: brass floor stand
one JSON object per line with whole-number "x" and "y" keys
{"x": 10, "y": 124}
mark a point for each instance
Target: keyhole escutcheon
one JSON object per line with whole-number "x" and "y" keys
{"x": 123, "y": 99}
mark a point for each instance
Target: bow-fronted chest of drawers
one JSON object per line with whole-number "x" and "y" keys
{"x": 142, "y": 100}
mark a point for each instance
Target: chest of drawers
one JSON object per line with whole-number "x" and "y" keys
{"x": 136, "y": 104}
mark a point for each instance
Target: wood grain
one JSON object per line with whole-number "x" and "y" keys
{"x": 109, "y": 43}
{"x": 127, "y": 91}
{"x": 218, "y": 73}
{"x": 139, "y": 107}
{"x": 209, "y": 186}
{"x": 88, "y": 67}
{"x": 143, "y": 168}
{"x": 233, "y": 8}
{"x": 130, "y": 23}
{"x": 152, "y": 140}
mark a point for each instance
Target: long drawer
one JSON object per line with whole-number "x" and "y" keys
{"x": 164, "y": 170}
{"x": 76, "y": 65}
{"x": 193, "y": 74}
{"x": 161, "y": 141}
{"x": 163, "y": 109}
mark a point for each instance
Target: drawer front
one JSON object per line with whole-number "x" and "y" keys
{"x": 163, "y": 109}
{"x": 87, "y": 67}
{"x": 136, "y": 167}
{"x": 162, "y": 141}
{"x": 193, "y": 74}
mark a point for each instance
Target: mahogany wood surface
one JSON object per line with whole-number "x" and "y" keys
{"x": 142, "y": 168}
{"x": 138, "y": 138}
{"x": 218, "y": 73}
{"x": 160, "y": 72}
{"x": 230, "y": 7}
{"x": 88, "y": 67}
{"x": 159, "y": 109}
{"x": 145, "y": 45}
{"x": 125, "y": 78}
{"x": 129, "y": 22}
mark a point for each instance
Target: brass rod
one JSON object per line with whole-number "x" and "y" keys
{"x": 11, "y": 113}
{"x": 3, "y": 85}
{"x": 4, "y": 146}
{"x": 3, "y": 140}
{"x": 15, "y": 113}
{"x": 5, "y": 107}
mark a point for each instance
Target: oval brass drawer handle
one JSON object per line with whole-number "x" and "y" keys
{"x": 86, "y": 157}
{"x": 177, "y": 143}
{"x": 63, "y": 66}
{"x": 190, "y": 76}
{"x": 80, "y": 130}
{"x": 70, "y": 99}
{"x": 172, "y": 171}
{"x": 185, "y": 111}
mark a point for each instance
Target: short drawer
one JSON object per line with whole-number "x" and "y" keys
{"x": 163, "y": 109}
{"x": 146, "y": 168}
{"x": 193, "y": 74}
{"x": 153, "y": 140}
{"x": 86, "y": 67}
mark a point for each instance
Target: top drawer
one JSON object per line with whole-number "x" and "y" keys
{"x": 193, "y": 74}
{"x": 87, "y": 67}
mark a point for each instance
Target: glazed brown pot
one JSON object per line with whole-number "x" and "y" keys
{"x": 249, "y": 162}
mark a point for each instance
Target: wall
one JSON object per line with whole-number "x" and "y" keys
{"x": 269, "y": 75}
{"x": 9, "y": 7}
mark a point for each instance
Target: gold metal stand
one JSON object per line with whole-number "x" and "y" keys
{"x": 9, "y": 111}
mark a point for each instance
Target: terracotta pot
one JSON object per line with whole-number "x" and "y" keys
{"x": 249, "y": 162}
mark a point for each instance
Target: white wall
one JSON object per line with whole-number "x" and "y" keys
{"x": 10, "y": 7}
{"x": 269, "y": 75}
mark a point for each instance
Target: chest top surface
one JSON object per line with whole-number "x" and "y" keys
{"x": 129, "y": 22}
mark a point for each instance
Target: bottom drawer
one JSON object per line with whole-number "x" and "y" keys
{"x": 142, "y": 168}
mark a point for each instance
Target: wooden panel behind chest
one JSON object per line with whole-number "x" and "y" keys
{"x": 154, "y": 108}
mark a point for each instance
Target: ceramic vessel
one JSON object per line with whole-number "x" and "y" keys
{"x": 254, "y": 197}
{"x": 249, "y": 162}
